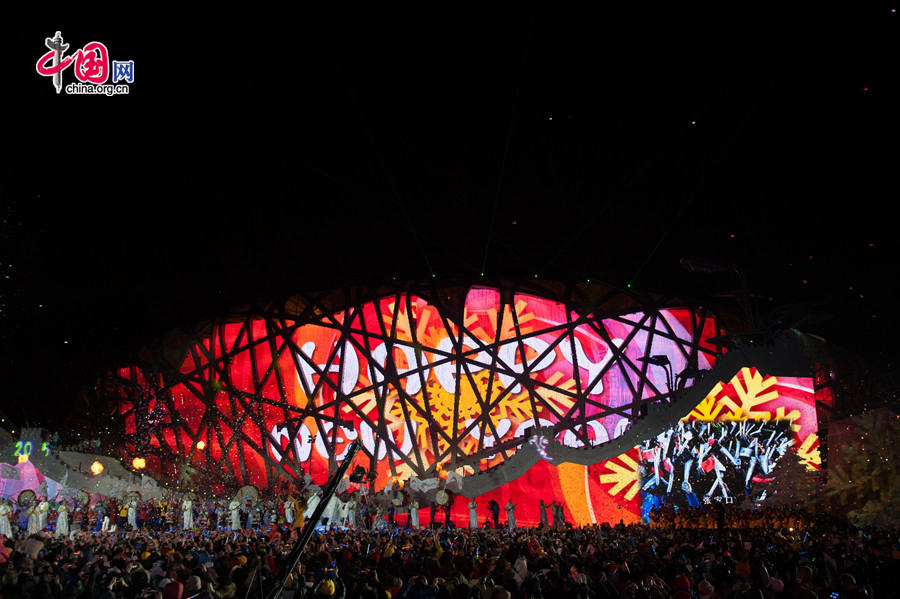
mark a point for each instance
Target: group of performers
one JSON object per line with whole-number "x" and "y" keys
{"x": 63, "y": 516}
{"x": 556, "y": 509}
{"x": 385, "y": 509}
{"x": 697, "y": 462}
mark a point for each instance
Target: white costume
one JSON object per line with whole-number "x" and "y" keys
{"x": 351, "y": 513}
{"x": 235, "y": 508}
{"x": 43, "y": 514}
{"x": 719, "y": 468}
{"x": 543, "y": 507}
{"x": 33, "y": 520}
{"x": 473, "y": 514}
{"x": 511, "y": 514}
{"x": 414, "y": 513}
{"x": 5, "y": 528}
{"x": 188, "y": 513}
{"x": 289, "y": 511}
{"x": 132, "y": 514}
{"x": 62, "y": 520}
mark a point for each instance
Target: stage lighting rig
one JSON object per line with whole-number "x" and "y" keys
{"x": 357, "y": 475}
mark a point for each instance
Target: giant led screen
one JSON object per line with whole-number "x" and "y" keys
{"x": 426, "y": 384}
{"x": 734, "y": 446}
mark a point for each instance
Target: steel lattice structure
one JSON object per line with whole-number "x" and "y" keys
{"x": 428, "y": 378}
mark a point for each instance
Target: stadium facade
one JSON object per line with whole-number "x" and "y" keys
{"x": 535, "y": 391}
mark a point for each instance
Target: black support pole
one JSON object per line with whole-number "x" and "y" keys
{"x": 294, "y": 557}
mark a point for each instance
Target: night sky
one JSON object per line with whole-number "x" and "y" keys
{"x": 266, "y": 151}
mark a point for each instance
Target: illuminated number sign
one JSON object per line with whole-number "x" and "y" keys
{"x": 26, "y": 448}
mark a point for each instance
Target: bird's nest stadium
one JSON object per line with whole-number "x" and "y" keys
{"x": 590, "y": 395}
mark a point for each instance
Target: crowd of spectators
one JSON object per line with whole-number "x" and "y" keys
{"x": 763, "y": 554}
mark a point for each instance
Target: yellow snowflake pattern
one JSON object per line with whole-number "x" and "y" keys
{"x": 755, "y": 391}
{"x": 808, "y": 452}
{"x": 622, "y": 477}
{"x": 709, "y": 409}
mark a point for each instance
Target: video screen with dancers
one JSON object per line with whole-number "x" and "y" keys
{"x": 699, "y": 463}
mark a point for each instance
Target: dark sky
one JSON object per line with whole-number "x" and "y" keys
{"x": 267, "y": 150}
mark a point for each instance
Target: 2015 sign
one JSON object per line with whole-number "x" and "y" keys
{"x": 26, "y": 448}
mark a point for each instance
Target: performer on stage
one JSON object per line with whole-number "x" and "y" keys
{"x": 290, "y": 507}
{"x": 543, "y": 507}
{"x": 300, "y": 518}
{"x": 5, "y": 513}
{"x": 252, "y": 514}
{"x": 113, "y": 513}
{"x": 473, "y": 516}
{"x": 414, "y": 513}
{"x": 77, "y": 518}
{"x": 93, "y": 517}
{"x": 170, "y": 514}
{"x": 52, "y": 515}
{"x": 122, "y": 512}
{"x": 259, "y": 514}
{"x": 34, "y": 519}
{"x": 202, "y": 517}
{"x": 235, "y": 509}
{"x": 554, "y": 511}
{"x": 352, "y": 509}
{"x": 187, "y": 511}
{"x": 62, "y": 520}
{"x": 20, "y": 517}
{"x": 220, "y": 515}
{"x": 272, "y": 514}
{"x": 511, "y": 514}
{"x": 132, "y": 514}
{"x": 378, "y": 521}
{"x": 43, "y": 510}
{"x": 279, "y": 510}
